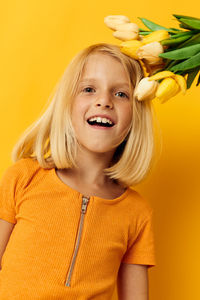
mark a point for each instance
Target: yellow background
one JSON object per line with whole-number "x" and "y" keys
{"x": 38, "y": 39}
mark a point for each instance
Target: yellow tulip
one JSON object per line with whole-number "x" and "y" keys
{"x": 155, "y": 36}
{"x": 130, "y": 48}
{"x": 181, "y": 82}
{"x": 150, "y": 52}
{"x": 128, "y": 27}
{"x": 167, "y": 89}
{"x": 145, "y": 69}
{"x": 113, "y": 20}
{"x": 161, "y": 75}
{"x": 125, "y": 35}
{"x": 146, "y": 89}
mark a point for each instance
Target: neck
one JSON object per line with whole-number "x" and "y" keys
{"x": 91, "y": 166}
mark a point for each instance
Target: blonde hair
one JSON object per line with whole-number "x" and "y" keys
{"x": 51, "y": 139}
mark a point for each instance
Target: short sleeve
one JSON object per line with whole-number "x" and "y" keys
{"x": 8, "y": 187}
{"x": 141, "y": 249}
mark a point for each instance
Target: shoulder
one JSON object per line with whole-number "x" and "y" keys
{"x": 21, "y": 166}
{"x": 19, "y": 172}
{"x": 138, "y": 204}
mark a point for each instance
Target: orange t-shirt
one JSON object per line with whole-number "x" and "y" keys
{"x": 62, "y": 248}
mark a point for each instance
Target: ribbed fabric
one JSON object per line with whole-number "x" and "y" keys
{"x": 46, "y": 213}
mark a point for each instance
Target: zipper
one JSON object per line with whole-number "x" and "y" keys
{"x": 85, "y": 201}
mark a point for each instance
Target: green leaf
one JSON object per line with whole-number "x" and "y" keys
{"x": 145, "y": 32}
{"x": 171, "y": 64}
{"x": 188, "y": 64}
{"x": 151, "y": 25}
{"x": 195, "y": 39}
{"x": 184, "y": 26}
{"x": 169, "y": 42}
{"x": 181, "y": 34}
{"x": 181, "y": 53}
{"x": 185, "y": 17}
{"x": 174, "y": 29}
{"x": 193, "y": 24}
{"x": 191, "y": 77}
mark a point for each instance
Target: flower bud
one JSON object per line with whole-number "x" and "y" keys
{"x": 181, "y": 82}
{"x": 114, "y": 20}
{"x": 145, "y": 67}
{"x": 161, "y": 75}
{"x": 156, "y": 36}
{"x": 167, "y": 89}
{"x": 146, "y": 89}
{"x": 125, "y": 35}
{"x": 130, "y": 48}
{"x": 150, "y": 53}
{"x": 128, "y": 27}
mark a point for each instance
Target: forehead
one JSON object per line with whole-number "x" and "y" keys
{"x": 100, "y": 65}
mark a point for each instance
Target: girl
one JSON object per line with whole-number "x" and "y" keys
{"x": 71, "y": 224}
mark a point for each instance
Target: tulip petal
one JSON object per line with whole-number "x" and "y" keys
{"x": 144, "y": 68}
{"x": 155, "y": 36}
{"x": 112, "y": 20}
{"x": 161, "y": 75}
{"x": 146, "y": 89}
{"x": 167, "y": 89}
{"x": 125, "y": 35}
{"x": 181, "y": 82}
{"x": 128, "y": 27}
{"x": 150, "y": 52}
{"x": 130, "y": 48}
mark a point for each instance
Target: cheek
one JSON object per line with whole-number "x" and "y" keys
{"x": 127, "y": 115}
{"x": 78, "y": 115}
{"x": 78, "y": 109}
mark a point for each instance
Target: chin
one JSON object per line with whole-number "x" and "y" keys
{"x": 98, "y": 148}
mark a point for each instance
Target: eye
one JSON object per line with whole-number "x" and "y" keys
{"x": 88, "y": 89}
{"x": 122, "y": 95}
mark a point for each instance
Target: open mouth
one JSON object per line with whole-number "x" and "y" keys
{"x": 99, "y": 124}
{"x": 102, "y": 122}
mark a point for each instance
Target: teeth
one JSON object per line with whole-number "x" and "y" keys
{"x": 104, "y": 120}
{"x": 100, "y": 120}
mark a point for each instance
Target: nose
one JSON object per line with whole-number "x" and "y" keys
{"x": 104, "y": 100}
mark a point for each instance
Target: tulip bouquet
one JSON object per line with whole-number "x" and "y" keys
{"x": 170, "y": 57}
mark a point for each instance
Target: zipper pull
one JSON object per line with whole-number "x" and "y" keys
{"x": 85, "y": 201}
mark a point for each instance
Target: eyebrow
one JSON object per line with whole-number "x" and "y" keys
{"x": 94, "y": 80}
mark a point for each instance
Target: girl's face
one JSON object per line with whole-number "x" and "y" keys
{"x": 103, "y": 95}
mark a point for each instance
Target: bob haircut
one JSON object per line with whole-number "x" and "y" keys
{"x": 51, "y": 139}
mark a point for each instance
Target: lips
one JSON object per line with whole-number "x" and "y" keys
{"x": 100, "y": 122}
{"x": 102, "y": 116}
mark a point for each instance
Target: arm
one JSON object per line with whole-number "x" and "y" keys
{"x": 5, "y": 232}
{"x": 132, "y": 282}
